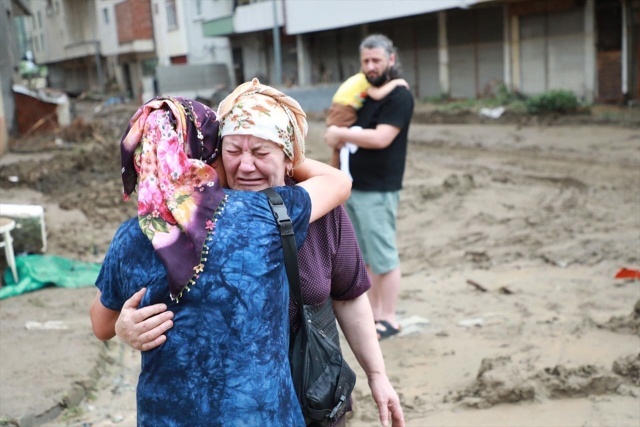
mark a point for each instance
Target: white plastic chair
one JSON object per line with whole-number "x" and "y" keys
{"x": 6, "y": 225}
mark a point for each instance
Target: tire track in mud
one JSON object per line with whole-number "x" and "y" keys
{"x": 533, "y": 213}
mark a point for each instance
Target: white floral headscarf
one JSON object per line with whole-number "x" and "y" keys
{"x": 262, "y": 111}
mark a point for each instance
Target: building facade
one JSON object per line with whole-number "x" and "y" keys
{"x": 65, "y": 38}
{"x": 447, "y": 48}
{"x": 127, "y": 45}
{"x": 9, "y": 63}
{"x": 451, "y": 48}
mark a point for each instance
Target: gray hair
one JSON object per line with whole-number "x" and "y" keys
{"x": 380, "y": 41}
{"x": 375, "y": 41}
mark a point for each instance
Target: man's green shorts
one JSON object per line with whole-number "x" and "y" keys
{"x": 373, "y": 215}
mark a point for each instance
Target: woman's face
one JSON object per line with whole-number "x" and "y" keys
{"x": 253, "y": 163}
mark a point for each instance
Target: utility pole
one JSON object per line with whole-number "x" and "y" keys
{"x": 99, "y": 65}
{"x": 277, "y": 58}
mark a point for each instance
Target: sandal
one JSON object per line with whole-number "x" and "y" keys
{"x": 388, "y": 330}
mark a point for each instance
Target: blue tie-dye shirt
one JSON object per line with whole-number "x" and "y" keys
{"x": 225, "y": 360}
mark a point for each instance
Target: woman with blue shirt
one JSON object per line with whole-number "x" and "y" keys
{"x": 215, "y": 256}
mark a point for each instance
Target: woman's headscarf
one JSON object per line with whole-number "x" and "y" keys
{"x": 166, "y": 151}
{"x": 262, "y": 111}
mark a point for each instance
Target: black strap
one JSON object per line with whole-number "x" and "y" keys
{"x": 289, "y": 246}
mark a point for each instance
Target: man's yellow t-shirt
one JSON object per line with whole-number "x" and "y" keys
{"x": 352, "y": 92}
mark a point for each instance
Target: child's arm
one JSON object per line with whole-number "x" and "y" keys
{"x": 377, "y": 93}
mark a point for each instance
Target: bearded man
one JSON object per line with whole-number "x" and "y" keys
{"x": 377, "y": 167}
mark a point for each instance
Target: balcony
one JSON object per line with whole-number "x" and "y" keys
{"x": 81, "y": 49}
{"x": 257, "y": 16}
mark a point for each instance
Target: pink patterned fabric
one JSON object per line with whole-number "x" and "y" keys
{"x": 164, "y": 151}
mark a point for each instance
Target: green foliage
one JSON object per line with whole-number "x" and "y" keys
{"x": 71, "y": 413}
{"x": 437, "y": 99}
{"x": 553, "y": 101}
{"x": 495, "y": 96}
{"x": 504, "y": 96}
{"x": 518, "y": 107}
{"x": 29, "y": 70}
{"x": 461, "y": 105}
{"x": 499, "y": 95}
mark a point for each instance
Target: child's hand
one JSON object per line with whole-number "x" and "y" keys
{"x": 378, "y": 93}
{"x": 399, "y": 82}
{"x": 332, "y": 137}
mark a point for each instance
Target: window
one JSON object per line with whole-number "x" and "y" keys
{"x": 105, "y": 14}
{"x": 39, "y": 20}
{"x": 181, "y": 59}
{"x": 42, "y": 42}
{"x": 198, "y": 7}
{"x": 149, "y": 66}
{"x": 245, "y": 2}
{"x": 172, "y": 18}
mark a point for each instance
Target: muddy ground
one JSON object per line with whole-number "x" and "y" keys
{"x": 510, "y": 236}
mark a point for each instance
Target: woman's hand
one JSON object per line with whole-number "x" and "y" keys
{"x": 143, "y": 329}
{"x": 387, "y": 400}
{"x": 356, "y": 321}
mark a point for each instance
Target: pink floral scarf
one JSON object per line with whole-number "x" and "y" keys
{"x": 166, "y": 151}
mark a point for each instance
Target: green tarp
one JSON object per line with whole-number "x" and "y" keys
{"x": 38, "y": 271}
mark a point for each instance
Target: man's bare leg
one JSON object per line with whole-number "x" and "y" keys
{"x": 374, "y": 296}
{"x": 383, "y": 295}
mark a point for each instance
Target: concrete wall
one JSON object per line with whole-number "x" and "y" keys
{"x": 4, "y": 132}
{"x": 426, "y": 82}
{"x": 107, "y": 31}
{"x": 257, "y": 16}
{"x": 206, "y": 50}
{"x": 550, "y": 46}
{"x": 254, "y": 56}
{"x": 552, "y": 52}
{"x": 9, "y": 60}
{"x": 169, "y": 42}
{"x": 305, "y": 16}
{"x": 187, "y": 39}
{"x": 74, "y": 76}
{"x": 566, "y": 51}
{"x": 66, "y": 30}
{"x": 313, "y": 99}
{"x": 192, "y": 80}
{"x": 334, "y": 54}
{"x": 475, "y": 41}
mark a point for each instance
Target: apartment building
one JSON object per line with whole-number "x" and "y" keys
{"x": 98, "y": 45}
{"x": 456, "y": 48}
{"x": 249, "y": 27}
{"x": 190, "y": 63}
{"x": 93, "y": 45}
{"x": 124, "y": 30}
{"x": 9, "y": 61}
{"x": 64, "y": 37}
